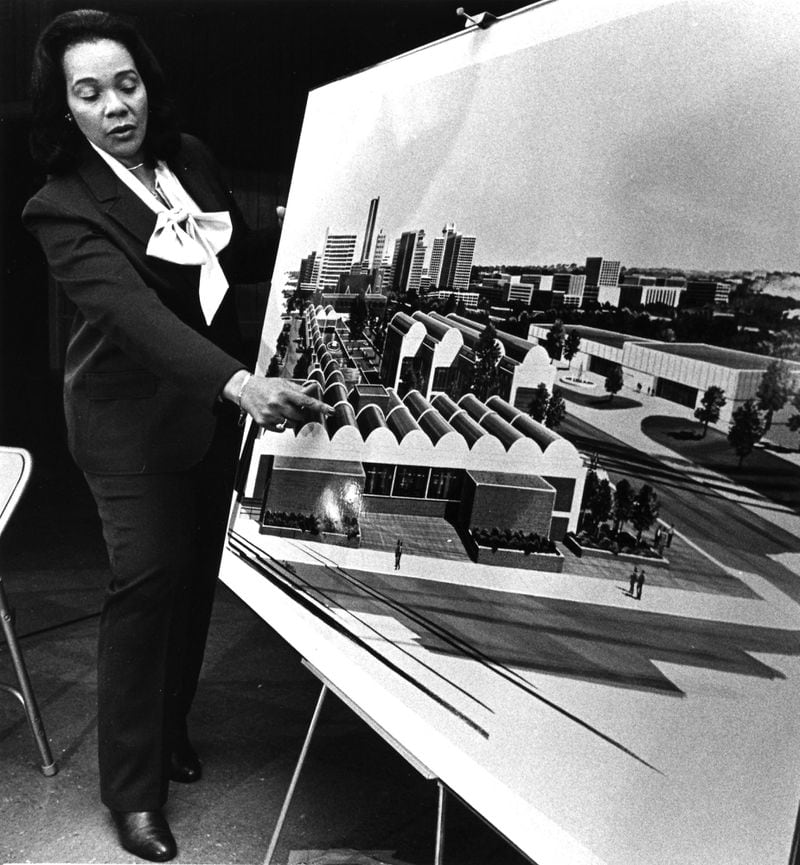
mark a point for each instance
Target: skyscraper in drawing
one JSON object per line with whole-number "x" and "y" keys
{"x": 369, "y": 230}
{"x": 435, "y": 266}
{"x": 599, "y": 272}
{"x": 466, "y": 254}
{"x": 417, "y": 263}
{"x": 380, "y": 247}
{"x": 337, "y": 259}
{"x": 392, "y": 267}
{"x": 409, "y": 257}
{"x": 306, "y": 275}
{"x": 437, "y": 254}
{"x": 457, "y": 255}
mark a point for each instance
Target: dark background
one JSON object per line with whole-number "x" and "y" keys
{"x": 241, "y": 71}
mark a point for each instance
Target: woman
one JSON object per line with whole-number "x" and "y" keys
{"x": 142, "y": 235}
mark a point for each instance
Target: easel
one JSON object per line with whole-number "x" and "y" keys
{"x": 410, "y": 758}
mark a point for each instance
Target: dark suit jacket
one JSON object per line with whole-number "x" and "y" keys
{"x": 143, "y": 371}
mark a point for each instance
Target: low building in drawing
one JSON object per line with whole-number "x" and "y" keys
{"x": 476, "y": 464}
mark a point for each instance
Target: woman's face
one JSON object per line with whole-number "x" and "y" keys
{"x": 107, "y": 98}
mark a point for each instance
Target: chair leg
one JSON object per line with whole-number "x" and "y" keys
{"x": 25, "y": 692}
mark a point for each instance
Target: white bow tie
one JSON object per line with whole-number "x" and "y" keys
{"x": 195, "y": 238}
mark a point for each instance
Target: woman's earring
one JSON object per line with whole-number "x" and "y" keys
{"x": 68, "y": 117}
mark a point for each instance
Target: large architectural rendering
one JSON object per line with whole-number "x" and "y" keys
{"x": 572, "y": 153}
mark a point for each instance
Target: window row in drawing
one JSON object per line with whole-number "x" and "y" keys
{"x": 421, "y": 482}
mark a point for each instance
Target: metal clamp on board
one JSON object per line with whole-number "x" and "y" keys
{"x": 482, "y": 19}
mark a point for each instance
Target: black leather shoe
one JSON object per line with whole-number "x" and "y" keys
{"x": 184, "y": 764}
{"x": 145, "y": 834}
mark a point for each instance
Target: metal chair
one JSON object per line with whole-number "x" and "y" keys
{"x": 15, "y": 469}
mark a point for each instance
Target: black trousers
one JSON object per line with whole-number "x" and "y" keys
{"x": 164, "y": 534}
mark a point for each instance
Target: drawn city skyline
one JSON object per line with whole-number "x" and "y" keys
{"x": 683, "y": 165}
{"x": 373, "y": 248}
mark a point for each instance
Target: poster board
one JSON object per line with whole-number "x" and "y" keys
{"x": 650, "y": 131}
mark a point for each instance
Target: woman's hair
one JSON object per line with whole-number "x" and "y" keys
{"x": 56, "y": 143}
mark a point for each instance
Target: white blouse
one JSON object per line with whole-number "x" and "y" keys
{"x": 183, "y": 233}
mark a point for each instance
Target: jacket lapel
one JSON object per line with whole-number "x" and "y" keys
{"x": 194, "y": 180}
{"x": 115, "y": 199}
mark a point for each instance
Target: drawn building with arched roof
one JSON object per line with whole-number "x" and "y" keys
{"x": 478, "y": 464}
{"x": 441, "y": 351}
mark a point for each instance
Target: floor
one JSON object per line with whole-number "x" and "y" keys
{"x": 250, "y": 717}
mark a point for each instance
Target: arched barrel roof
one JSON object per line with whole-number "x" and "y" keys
{"x": 335, "y": 393}
{"x": 399, "y": 418}
{"x": 402, "y": 322}
{"x": 370, "y": 418}
{"x": 523, "y": 422}
{"x": 458, "y": 418}
{"x": 470, "y": 334}
{"x": 343, "y": 415}
{"x": 429, "y": 419}
{"x": 435, "y": 326}
{"x": 490, "y": 420}
{"x": 317, "y": 376}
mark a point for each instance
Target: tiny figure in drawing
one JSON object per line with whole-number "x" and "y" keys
{"x": 634, "y": 579}
{"x": 639, "y": 584}
{"x": 398, "y": 552}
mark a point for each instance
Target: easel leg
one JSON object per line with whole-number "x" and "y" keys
{"x": 440, "y": 812}
{"x": 293, "y": 783}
